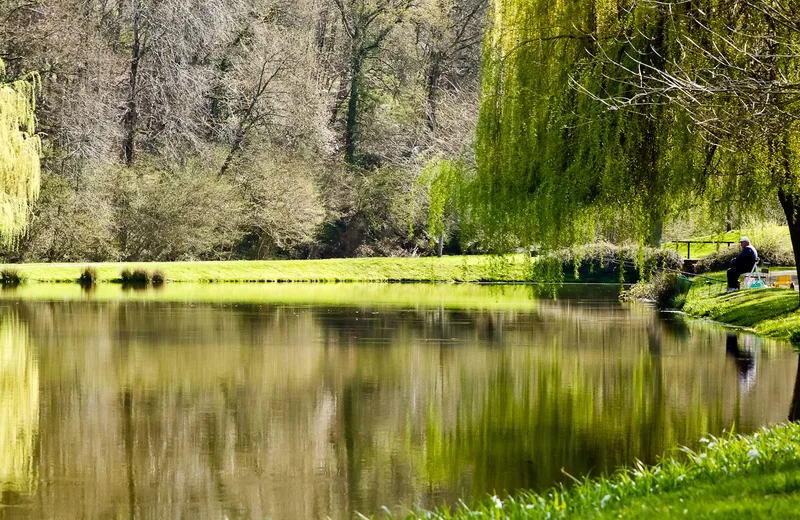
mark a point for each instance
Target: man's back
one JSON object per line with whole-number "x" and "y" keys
{"x": 746, "y": 259}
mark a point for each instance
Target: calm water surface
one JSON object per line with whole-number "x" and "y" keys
{"x": 318, "y": 401}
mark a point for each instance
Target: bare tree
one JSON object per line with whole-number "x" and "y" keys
{"x": 366, "y": 23}
{"x": 450, "y": 34}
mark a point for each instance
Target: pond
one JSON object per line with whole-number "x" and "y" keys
{"x": 315, "y": 401}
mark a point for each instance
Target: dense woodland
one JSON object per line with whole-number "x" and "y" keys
{"x": 188, "y": 129}
{"x": 171, "y": 129}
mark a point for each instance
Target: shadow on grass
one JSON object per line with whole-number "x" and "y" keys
{"x": 744, "y": 308}
{"x": 748, "y": 308}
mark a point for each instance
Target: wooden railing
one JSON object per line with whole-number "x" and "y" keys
{"x": 690, "y": 242}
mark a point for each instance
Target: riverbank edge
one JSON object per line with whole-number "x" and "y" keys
{"x": 771, "y": 313}
{"x": 718, "y": 461}
{"x": 518, "y": 268}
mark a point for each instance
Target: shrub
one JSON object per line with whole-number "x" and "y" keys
{"x": 720, "y": 260}
{"x": 158, "y": 278}
{"x": 167, "y": 212}
{"x": 125, "y": 276}
{"x": 664, "y": 289}
{"x": 11, "y": 277}
{"x": 88, "y": 277}
{"x": 70, "y": 223}
{"x": 140, "y": 277}
{"x": 285, "y": 205}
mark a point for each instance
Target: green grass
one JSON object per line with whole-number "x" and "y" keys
{"x": 755, "y": 476}
{"x": 754, "y": 495}
{"x": 446, "y": 269}
{"x": 769, "y": 312}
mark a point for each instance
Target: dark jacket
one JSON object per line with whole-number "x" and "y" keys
{"x": 745, "y": 261}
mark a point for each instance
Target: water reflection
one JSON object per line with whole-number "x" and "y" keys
{"x": 744, "y": 357}
{"x": 19, "y": 411}
{"x": 162, "y": 410}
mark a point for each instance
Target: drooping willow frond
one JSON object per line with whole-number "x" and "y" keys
{"x": 20, "y": 148}
{"x": 614, "y": 116}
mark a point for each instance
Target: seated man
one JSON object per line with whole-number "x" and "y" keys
{"x": 742, "y": 264}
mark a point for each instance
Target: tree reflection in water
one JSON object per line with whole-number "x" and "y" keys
{"x": 146, "y": 409}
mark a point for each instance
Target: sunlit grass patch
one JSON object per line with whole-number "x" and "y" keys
{"x": 744, "y": 308}
{"x": 446, "y": 269}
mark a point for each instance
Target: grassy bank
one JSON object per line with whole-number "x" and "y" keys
{"x": 769, "y": 312}
{"x": 446, "y": 269}
{"x": 600, "y": 263}
{"x": 756, "y": 476}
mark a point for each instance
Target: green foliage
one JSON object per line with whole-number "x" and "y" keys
{"x": 72, "y": 222}
{"x": 607, "y": 262}
{"x": 441, "y": 178}
{"x": 555, "y": 165}
{"x": 168, "y": 211}
{"x": 20, "y": 148}
{"x": 284, "y": 204}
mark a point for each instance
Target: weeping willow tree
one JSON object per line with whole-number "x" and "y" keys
{"x": 19, "y": 154}
{"x": 602, "y": 115}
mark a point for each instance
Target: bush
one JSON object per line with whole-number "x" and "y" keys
{"x": 285, "y": 207}
{"x": 721, "y": 260}
{"x": 663, "y": 289}
{"x": 88, "y": 277}
{"x": 168, "y": 212}
{"x": 158, "y": 278}
{"x": 11, "y": 277}
{"x": 125, "y": 276}
{"x": 139, "y": 277}
{"x": 70, "y": 223}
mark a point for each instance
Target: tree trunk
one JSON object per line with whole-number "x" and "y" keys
{"x": 352, "y": 109}
{"x": 131, "y": 116}
{"x": 794, "y": 409}
{"x": 432, "y": 85}
{"x": 790, "y": 204}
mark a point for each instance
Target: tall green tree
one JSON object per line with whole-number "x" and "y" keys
{"x": 19, "y": 154}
